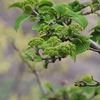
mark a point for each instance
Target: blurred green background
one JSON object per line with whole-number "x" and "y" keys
{"x": 16, "y": 83}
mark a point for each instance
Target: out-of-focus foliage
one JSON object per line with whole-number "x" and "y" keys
{"x": 8, "y": 35}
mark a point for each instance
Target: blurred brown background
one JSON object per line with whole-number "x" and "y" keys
{"x": 16, "y": 83}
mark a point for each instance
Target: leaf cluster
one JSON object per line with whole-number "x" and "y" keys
{"x": 59, "y": 27}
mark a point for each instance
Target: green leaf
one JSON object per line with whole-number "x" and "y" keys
{"x": 89, "y": 80}
{"x": 88, "y": 90}
{"x": 55, "y": 26}
{"x": 27, "y": 9}
{"x": 96, "y": 4}
{"x": 73, "y": 55}
{"x": 29, "y": 52}
{"x": 77, "y": 96}
{"x": 37, "y": 25}
{"x": 97, "y": 90}
{"x": 48, "y": 85}
{"x": 99, "y": 22}
{"x": 44, "y": 45}
{"x": 48, "y": 18}
{"x": 77, "y": 17}
{"x": 95, "y": 35}
{"x": 70, "y": 13}
{"x": 99, "y": 41}
{"x": 20, "y": 20}
{"x": 37, "y": 59}
{"x": 86, "y": 4}
{"x": 17, "y": 4}
{"x": 59, "y": 8}
{"x": 81, "y": 46}
{"x": 75, "y": 5}
{"x": 81, "y": 37}
{"x": 27, "y": 58}
{"x": 45, "y": 3}
{"x": 32, "y": 19}
{"x": 46, "y": 64}
{"x": 80, "y": 20}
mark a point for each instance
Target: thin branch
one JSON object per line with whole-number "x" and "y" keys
{"x": 16, "y": 49}
{"x": 35, "y": 12}
{"x": 94, "y": 46}
{"x": 92, "y": 11}
{"x": 94, "y": 1}
{"x": 35, "y": 72}
{"x": 95, "y": 50}
{"x": 83, "y": 83}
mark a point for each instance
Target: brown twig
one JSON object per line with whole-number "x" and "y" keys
{"x": 35, "y": 72}
{"x": 92, "y": 11}
{"x": 94, "y": 1}
{"x": 83, "y": 83}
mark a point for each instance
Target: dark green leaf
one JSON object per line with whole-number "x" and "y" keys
{"x": 95, "y": 35}
{"x": 17, "y": 4}
{"x": 32, "y": 19}
{"x": 81, "y": 46}
{"x": 59, "y": 8}
{"x": 86, "y": 4}
{"x": 46, "y": 64}
{"x": 48, "y": 18}
{"x": 27, "y": 58}
{"x": 37, "y": 59}
{"x": 29, "y": 52}
{"x": 96, "y": 4}
{"x": 37, "y": 25}
{"x": 81, "y": 37}
{"x": 77, "y": 8}
{"x": 99, "y": 41}
{"x": 80, "y": 20}
{"x": 55, "y": 26}
{"x": 75, "y": 5}
{"x": 45, "y": 3}
{"x": 77, "y": 40}
{"x": 20, "y": 20}
{"x": 44, "y": 45}
{"x": 70, "y": 12}
{"x": 73, "y": 55}
{"x": 27, "y": 9}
